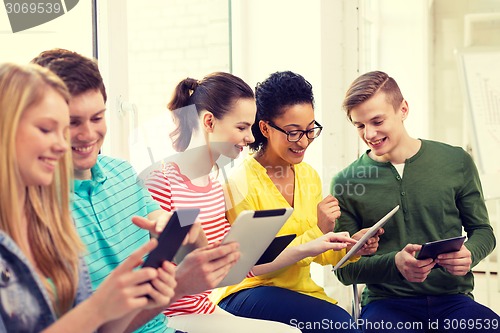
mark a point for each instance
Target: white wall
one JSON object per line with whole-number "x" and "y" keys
{"x": 448, "y": 18}
{"x": 403, "y": 53}
{"x": 72, "y": 31}
{"x": 306, "y": 37}
{"x": 270, "y": 36}
{"x": 165, "y": 42}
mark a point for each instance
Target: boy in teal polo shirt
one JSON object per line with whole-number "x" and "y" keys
{"x": 107, "y": 195}
{"x": 439, "y": 193}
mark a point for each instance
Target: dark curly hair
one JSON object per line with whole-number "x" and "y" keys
{"x": 279, "y": 91}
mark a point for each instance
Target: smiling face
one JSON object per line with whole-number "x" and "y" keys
{"x": 279, "y": 149}
{"x": 41, "y": 139}
{"x": 233, "y": 132}
{"x": 88, "y": 129}
{"x": 380, "y": 126}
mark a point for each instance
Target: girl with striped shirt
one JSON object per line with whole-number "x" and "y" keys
{"x": 213, "y": 118}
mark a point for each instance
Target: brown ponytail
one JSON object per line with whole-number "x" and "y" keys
{"x": 216, "y": 93}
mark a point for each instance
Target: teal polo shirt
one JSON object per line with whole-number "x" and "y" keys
{"x": 102, "y": 208}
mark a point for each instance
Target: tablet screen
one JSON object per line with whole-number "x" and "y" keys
{"x": 172, "y": 236}
{"x": 275, "y": 248}
{"x": 372, "y": 231}
{"x": 254, "y": 231}
{"x": 433, "y": 249}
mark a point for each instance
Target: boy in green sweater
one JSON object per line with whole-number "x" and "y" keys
{"x": 438, "y": 190}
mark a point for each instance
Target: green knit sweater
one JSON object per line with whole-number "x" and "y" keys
{"x": 440, "y": 196}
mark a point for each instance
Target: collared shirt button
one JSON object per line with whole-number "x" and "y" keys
{"x": 5, "y": 275}
{"x": 403, "y": 193}
{"x": 398, "y": 178}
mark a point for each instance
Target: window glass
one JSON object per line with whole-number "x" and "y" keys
{"x": 71, "y": 30}
{"x": 169, "y": 40}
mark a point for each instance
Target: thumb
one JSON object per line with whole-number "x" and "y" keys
{"x": 144, "y": 223}
{"x": 412, "y": 248}
{"x": 329, "y": 198}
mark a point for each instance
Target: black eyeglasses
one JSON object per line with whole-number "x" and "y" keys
{"x": 296, "y": 135}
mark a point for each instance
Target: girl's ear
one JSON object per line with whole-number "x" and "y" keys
{"x": 208, "y": 121}
{"x": 264, "y": 128}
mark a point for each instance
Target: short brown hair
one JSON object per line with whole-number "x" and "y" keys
{"x": 366, "y": 86}
{"x": 79, "y": 73}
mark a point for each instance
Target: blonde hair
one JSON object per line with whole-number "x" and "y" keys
{"x": 52, "y": 237}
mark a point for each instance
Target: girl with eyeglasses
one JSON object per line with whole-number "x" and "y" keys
{"x": 275, "y": 176}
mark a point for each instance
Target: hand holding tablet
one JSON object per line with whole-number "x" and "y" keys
{"x": 433, "y": 249}
{"x": 370, "y": 233}
{"x": 172, "y": 236}
{"x": 254, "y": 231}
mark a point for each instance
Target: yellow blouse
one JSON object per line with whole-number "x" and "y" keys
{"x": 250, "y": 188}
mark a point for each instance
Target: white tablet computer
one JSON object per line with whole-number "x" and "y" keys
{"x": 254, "y": 231}
{"x": 365, "y": 237}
